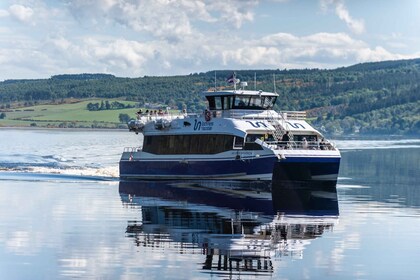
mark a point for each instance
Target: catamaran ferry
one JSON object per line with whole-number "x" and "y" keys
{"x": 239, "y": 137}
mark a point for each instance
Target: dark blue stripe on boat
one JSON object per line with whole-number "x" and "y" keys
{"x": 312, "y": 159}
{"x": 292, "y": 168}
{"x": 197, "y": 168}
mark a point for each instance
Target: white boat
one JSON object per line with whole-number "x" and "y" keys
{"x": 239, "y": 137}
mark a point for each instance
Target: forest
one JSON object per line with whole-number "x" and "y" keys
{"x": 364, "y": 99}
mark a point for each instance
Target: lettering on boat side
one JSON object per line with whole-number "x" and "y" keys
{"x": 243, "y": 153}
{"x": 257, "y": 124}
{"x": 199, "y": 125}
{"x": 296, "y": 125}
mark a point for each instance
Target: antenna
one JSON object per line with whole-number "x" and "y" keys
{"x": 234, "y": 81}
{"x": 274, "y": 81}
{"x": 215, "y": 86}
{"x": 255, "y": 81}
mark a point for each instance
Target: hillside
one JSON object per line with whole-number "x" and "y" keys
{"x": 369, "y": 98}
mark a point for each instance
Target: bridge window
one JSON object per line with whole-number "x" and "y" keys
{"x": 227, "y": 102}
{"x": 219, "y": 102}
{"x": 254, "y": 102}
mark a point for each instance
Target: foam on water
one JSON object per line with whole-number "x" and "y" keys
{"x": 45, "y": 174}
{"x": 56, "y": 165}
{"x": 343, "y": 186}
{"x": 377, "y": 144}
{"x": 109, "y": 172}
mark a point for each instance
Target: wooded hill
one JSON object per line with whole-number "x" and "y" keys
{"x": 368, "y": 98}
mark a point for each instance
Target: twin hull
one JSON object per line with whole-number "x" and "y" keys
{"x": 292, "y": 165}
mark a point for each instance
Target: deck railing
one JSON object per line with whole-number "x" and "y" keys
{"x": 132, "y": 149}
{"x": 294, "y": 115}
{"x": 301, "y": 145}
{"x": 156, "y": 116}
{"x": 259, "y": 114}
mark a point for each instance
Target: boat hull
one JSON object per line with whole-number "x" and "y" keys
{"x": 206, "y": 168}
{"x": 266, "y": 168}
{"x": 307, "y": 169}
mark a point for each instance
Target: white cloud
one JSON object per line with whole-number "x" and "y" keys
{"x": 164, "y": 19}
{"x": 4, "y": 13}
{"x": 320, "y": 50}
{"x": 235, "y": 12}
{"x": 377, "y": 54}
{"x": 164, "y": 37}
{"x": 132, "y": 58}
{"x": 121, "y": 53}
{"x": 21, "y": 13}
{"x": 357, "y": 26}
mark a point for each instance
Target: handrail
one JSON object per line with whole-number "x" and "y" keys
{"x": 154, "y": 117}
{"x": 132, "y": 149}
{"x": 295, "y": 115}
{"x": 300, "y": 145}
{"x": 263, "y": 114}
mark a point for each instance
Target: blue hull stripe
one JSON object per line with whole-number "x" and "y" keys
{"x": 227, "y": 168}
{"x": 197, "y": 168}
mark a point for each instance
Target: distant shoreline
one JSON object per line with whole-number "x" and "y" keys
{"x": 336, "y": 137}
{"x": 60, "y": 128}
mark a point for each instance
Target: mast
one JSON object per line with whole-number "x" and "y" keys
{"x": 215, "y": 86}
{"x": 274, "y": 81}
{"x": 234, "y": 81}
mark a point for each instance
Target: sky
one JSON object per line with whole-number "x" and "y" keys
{"x": 135, "y": 38}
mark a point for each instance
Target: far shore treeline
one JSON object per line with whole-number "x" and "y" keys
{"x": 366, "y": 99}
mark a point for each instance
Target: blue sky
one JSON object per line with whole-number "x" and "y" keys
{"x": 132, "y": 38}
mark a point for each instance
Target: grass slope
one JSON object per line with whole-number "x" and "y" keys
{"x": 51, "y": 115}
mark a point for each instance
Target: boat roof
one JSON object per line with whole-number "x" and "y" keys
{"x": 299, "y": 126}
{"x": 239, "y": 92}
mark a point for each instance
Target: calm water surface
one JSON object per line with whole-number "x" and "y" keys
{"x": 64, "y": 214}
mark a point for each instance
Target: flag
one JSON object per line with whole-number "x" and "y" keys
{"x": 231, "y": 79}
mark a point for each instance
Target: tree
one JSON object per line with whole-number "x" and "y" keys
{"x": 2, "y": 115}
{"x": 124, "y": 118}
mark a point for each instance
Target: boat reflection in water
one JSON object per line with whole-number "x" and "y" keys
{"x": 237, "y": 232}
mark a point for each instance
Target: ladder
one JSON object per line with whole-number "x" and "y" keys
{"x": 279, "y": 124}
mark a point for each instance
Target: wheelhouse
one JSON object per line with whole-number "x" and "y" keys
{"x": 248, "y": 100}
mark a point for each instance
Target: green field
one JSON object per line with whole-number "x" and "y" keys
{"x": 67, "y": 115}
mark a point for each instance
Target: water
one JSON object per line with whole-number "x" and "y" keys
{"x": 64, "y": 214}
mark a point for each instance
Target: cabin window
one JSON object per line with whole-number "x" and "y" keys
{"x": 190, "y": 144}
{"x": 238, "y": 143}
{"x": 226, "y": 101}
{"x": 211, "y": 101}
{"x": 250, "y": 142}
{"x": 267, "y": 102}
{"x": 218, "y": 101}
{"x": 255, "y": 102}
{"x": 241, "y": 102}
